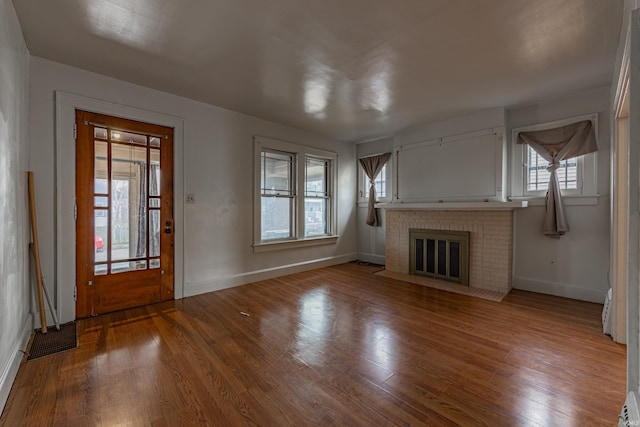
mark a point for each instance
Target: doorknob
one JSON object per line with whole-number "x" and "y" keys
{"x": 168, "y": 226}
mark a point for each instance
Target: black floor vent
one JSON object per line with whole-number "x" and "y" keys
{"x": 53, "y": 341}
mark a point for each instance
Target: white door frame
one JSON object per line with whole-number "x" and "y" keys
{"x": 633, "y": 263}
{"x": 619, "y": 237}
{"x": 619, "y": 226}
{"x": 66, "y": 104}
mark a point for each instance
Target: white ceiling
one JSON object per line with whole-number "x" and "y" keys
{"x": 351, "y": 69}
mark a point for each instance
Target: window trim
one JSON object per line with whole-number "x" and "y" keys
{"x": 300, "y": 153}
{"x": 587, "y": 165}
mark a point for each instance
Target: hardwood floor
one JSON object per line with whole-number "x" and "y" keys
{"x": 334, "y": 346}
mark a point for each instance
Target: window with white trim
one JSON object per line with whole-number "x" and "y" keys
{"x": 317, "y": 198}
{"x": 295, "y": 193}
{"x": 277, "y": 195}
{"x": 381, "y": 180}
{"x": 577, "y": 176}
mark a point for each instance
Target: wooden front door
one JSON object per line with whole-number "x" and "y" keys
{"x": 124, "y": 223}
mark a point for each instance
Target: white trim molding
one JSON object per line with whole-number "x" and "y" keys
{"x": 455, "y": 206}
{"x": 66, "y": 105}
{"x": 372, "y": 258}
{"x": 10, "y": 371}
{"x": 558, "y": 289}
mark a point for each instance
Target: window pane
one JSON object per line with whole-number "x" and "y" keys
{"x": 277, "y": 215}
{"x": 128, "y": 202}
{"x": 315, "y": 177}
{"x": 101, "y": 201}
{"x": 121, "y": 267}
{"x": 538, "y": 176}
{"x": 315, "y": 217}
{"x": 380, "y": 184}
{"x": 129, "y": 137}
{"x": 154, "y": 232}
{"x": 101, "y": 185}
{"x": 568, "y": 174}
{"x": 100, "y": 133}
{"x": 100, "y": 234}
{"x": 100, "y": 269}
{"x": 276, "y": 173}
{"x": 120, "y": 219}
{"x": 154, "y": 172}
{"x": 316, "y": 197}
{"x": 276, "y": 218}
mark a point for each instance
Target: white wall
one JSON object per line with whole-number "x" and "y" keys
{"x": 218, "y": 170}
{"x": 15, "y": 323}
{"x": 485, "y": 119}
{"x": 576, "y": 265}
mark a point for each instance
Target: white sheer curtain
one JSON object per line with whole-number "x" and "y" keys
{"x": 556, "y": 145}
{"x": 141, "y": 211}
{"x": 154, "y": 224}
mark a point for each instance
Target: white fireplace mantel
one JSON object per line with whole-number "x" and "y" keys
{"x": 456, "y": 206}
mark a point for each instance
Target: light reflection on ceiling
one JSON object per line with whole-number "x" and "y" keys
{"x": 377, "y": 91}
{"x": 132, "y": 22}
{"x": 354, "y": 71}
{"x": 317, "y": 89}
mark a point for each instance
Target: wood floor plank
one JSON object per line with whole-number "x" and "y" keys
{"x": 333, "y": 346}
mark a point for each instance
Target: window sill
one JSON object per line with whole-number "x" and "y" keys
{"x": 568, "y": 200}
{"x": 291, "y": 244}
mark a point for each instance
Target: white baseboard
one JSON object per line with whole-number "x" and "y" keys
{"x": 10, "y": 371}
{"x": 372, "y": 258}
{"x": 559, "y": 289}
{"x": 197, "y": 288}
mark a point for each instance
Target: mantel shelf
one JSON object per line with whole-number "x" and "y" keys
{"x": 456, "y": 206}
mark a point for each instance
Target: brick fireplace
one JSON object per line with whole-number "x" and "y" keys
{"x": 490, "y": 241}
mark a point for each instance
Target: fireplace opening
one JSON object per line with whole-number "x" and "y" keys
{"x": 442, "y": 254}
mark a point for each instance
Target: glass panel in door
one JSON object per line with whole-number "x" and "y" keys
{"x": 126, "y": 221}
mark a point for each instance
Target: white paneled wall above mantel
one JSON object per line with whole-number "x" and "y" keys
{"x": 459, "y": 160}
{"x": 463, "y": 167}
